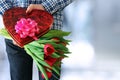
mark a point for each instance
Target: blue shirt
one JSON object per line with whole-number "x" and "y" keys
{"x": 55, "y": 7}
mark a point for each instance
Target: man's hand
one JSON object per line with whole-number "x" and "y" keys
{"x": 34, "y": 6}
{"x": 16, "y": 44}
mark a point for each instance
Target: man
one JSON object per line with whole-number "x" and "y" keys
{"x": 20, "y": 61}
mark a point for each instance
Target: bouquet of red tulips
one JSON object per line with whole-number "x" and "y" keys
{"x": 47, "y": 51}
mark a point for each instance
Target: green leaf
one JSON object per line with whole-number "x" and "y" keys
{"x": 62, "y": 55}
{"x": 55, "y": 55}
{"x": 64, "y": 51}
{"x": 45, "y": 41}
{"x": 37, "y": 52}
{"x": 59, "y": 46}
{"x": 41, "y": 68}
{"x": 39, "y": 55}
{"x": 57, "y": 63}
{"x": 49, "y": 70}
{"x": 35, "y": 49}
{"x": 42, "y": 62}
{"x": 28, "y": 51}
{"x": 64, "y": 40}
{"x": 54, "y": 68}
{"x": 35, "y": 43}
{"x": 56, "y": 33}
{"x": 4, "y": 33}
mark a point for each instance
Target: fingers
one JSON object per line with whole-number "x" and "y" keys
{"x": 29, "y": 9}
{"x": 34, "y": 6}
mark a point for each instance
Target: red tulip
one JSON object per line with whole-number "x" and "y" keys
{"x": 56, "y": 39}
{"x": 48, "y": 49}
{"x": 50, "y": 60}
{"x": 49, "y": 74}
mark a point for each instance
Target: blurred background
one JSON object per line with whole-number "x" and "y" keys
{"x": 95, "y": 47}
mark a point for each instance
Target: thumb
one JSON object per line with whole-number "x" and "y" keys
{"x": 16, "y": 44}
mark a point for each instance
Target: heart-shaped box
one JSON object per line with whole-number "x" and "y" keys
{"x": 12, "y": 15}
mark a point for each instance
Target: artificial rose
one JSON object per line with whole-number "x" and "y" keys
{"x": 48, "y": 49}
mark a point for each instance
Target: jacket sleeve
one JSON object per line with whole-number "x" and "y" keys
{"x": 4, "y": 5}
{"x": 53, "y": 5}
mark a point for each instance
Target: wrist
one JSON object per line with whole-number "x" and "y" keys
{"x": 39, "y": 7}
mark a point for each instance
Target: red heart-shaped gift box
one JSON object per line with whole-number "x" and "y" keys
{"x": 12, "y": 15}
